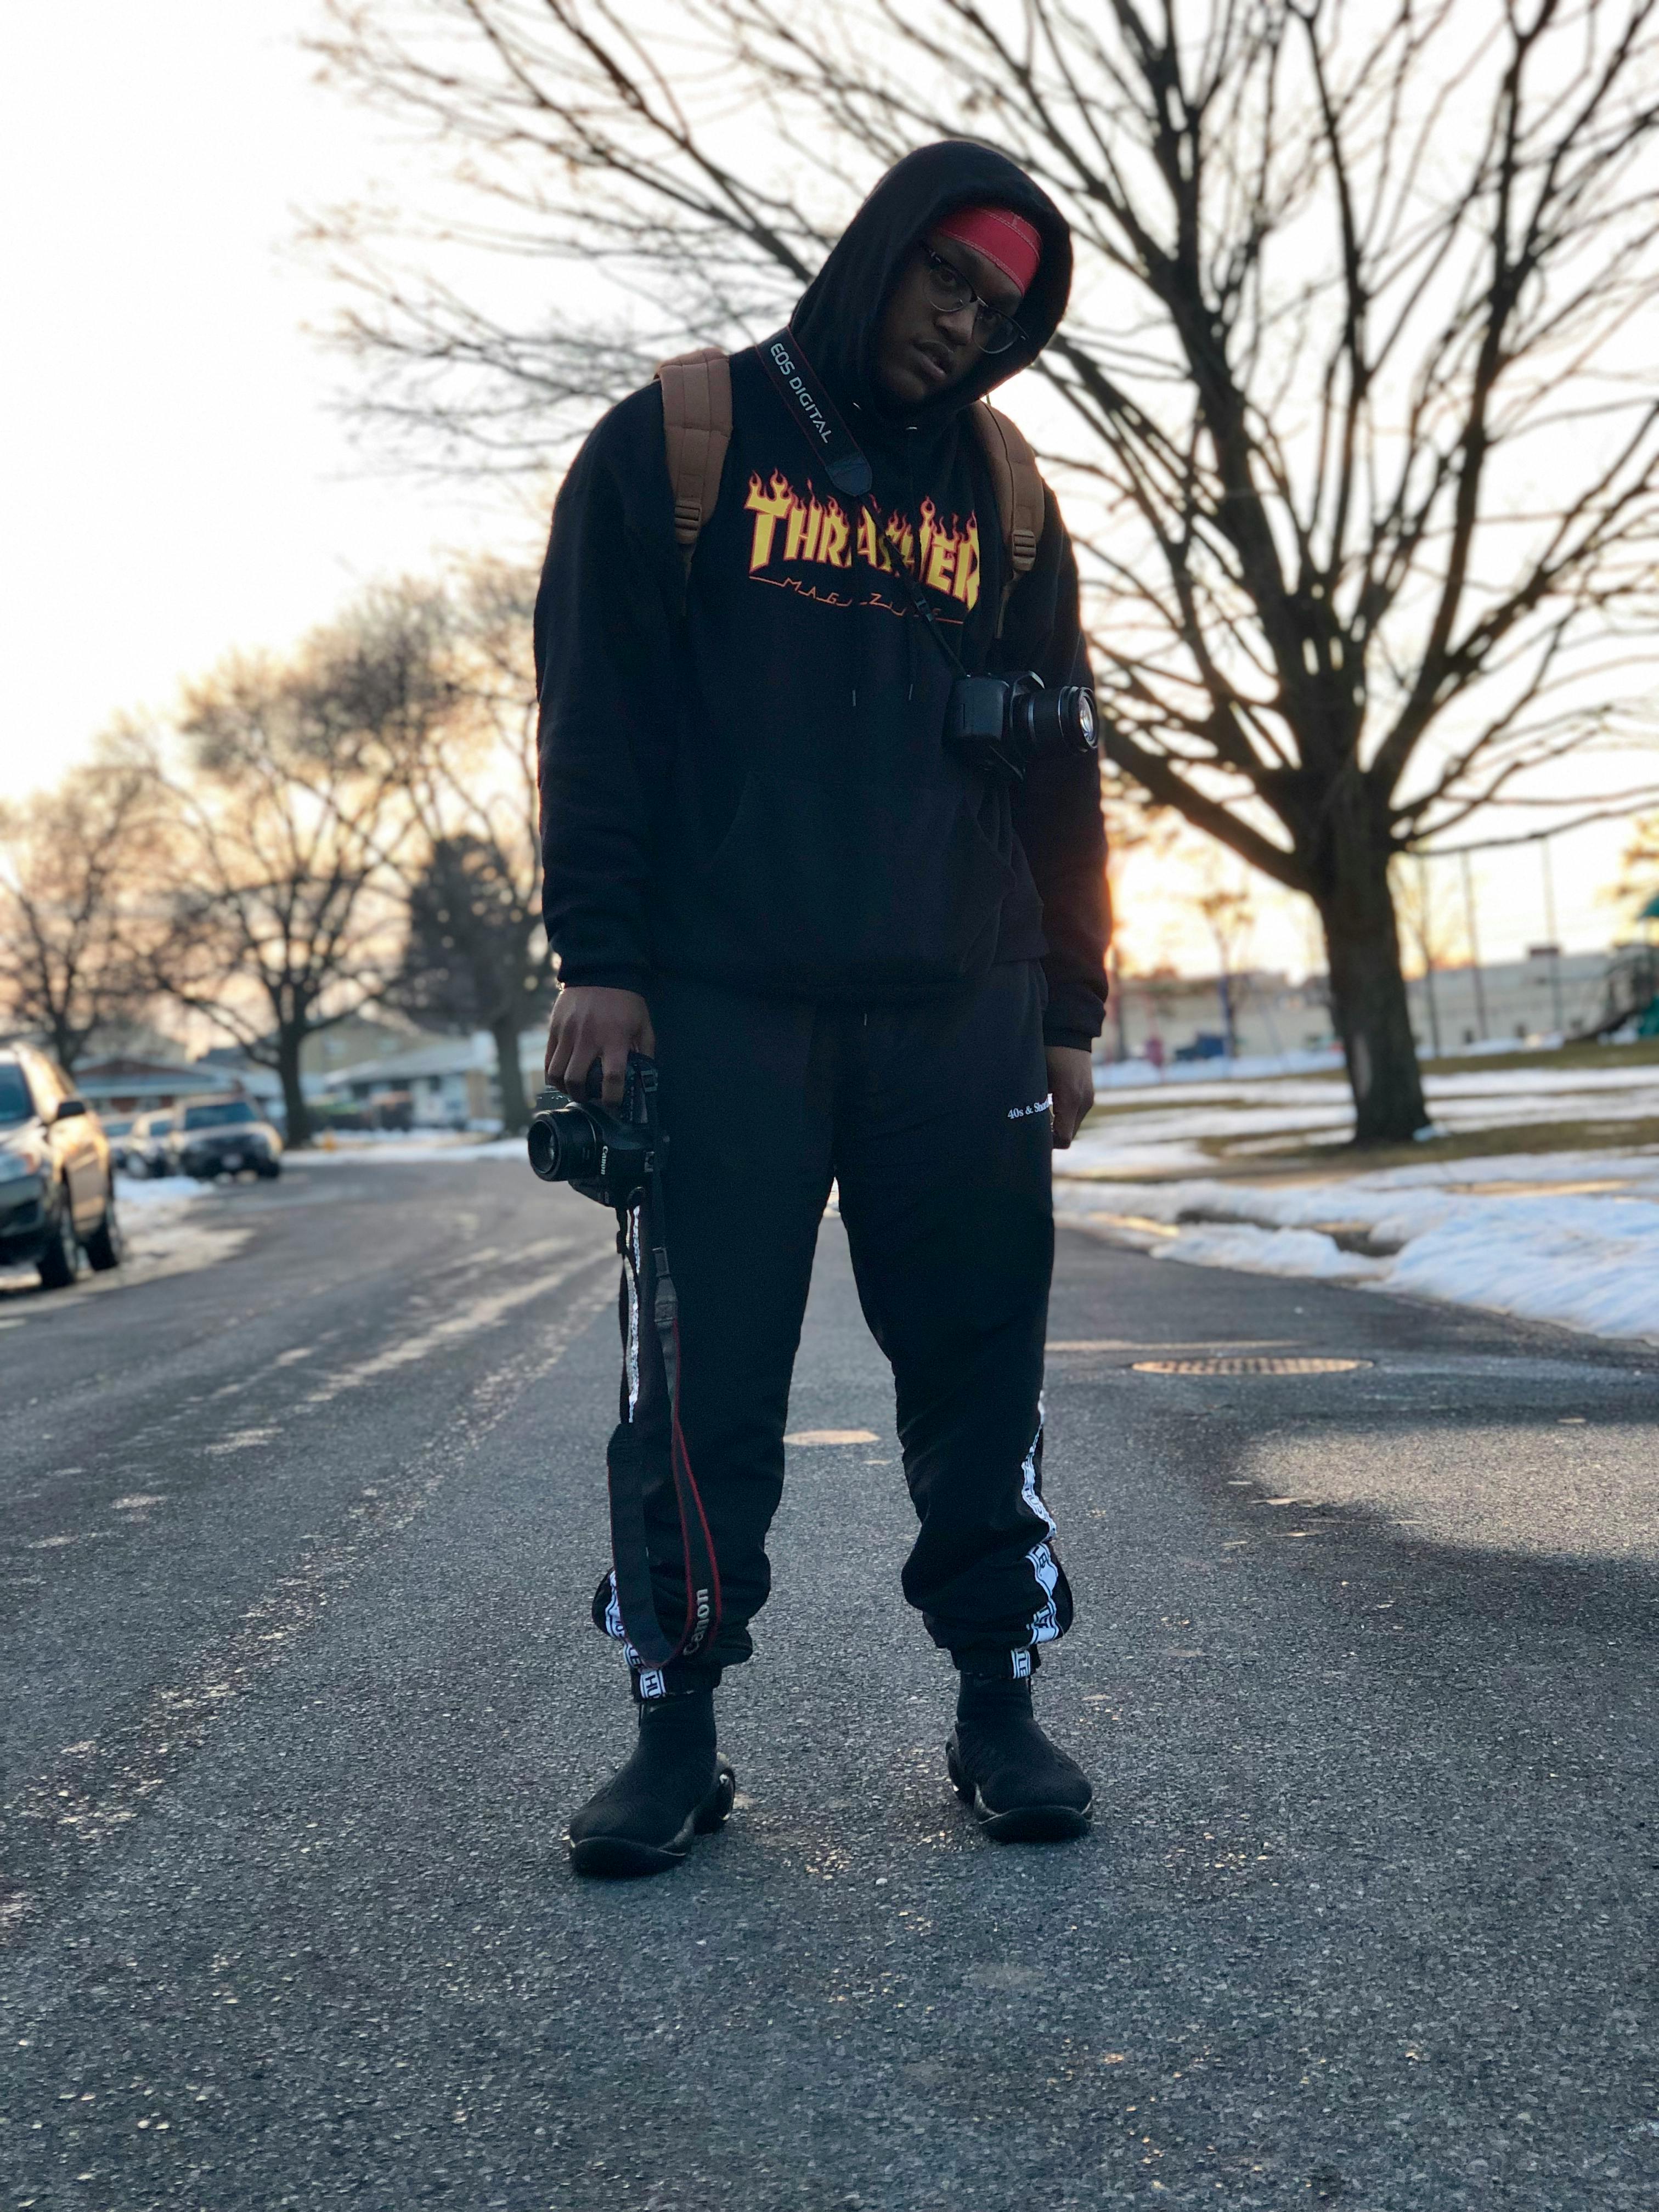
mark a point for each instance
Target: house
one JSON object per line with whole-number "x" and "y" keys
{"x": 450, "y": 1080}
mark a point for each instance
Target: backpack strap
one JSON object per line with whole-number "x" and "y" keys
{"x": 1018, "y": 493}
{"x": 697, "y": 420}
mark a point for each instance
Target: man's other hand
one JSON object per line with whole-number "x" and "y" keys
{"x": 1071, "y": 1086}
{"x": 590, "y": 1022}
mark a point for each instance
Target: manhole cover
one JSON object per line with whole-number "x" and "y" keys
{"x": 1259, "y": 1364}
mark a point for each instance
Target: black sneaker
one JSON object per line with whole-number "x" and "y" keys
{"x": 675, "y": 1787}
{"x": 1021, "y": 1788}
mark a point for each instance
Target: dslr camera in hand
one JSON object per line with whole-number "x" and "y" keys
{"x": 607, "y": 1157}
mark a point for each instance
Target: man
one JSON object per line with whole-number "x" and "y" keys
{"x": 855, "y": 956}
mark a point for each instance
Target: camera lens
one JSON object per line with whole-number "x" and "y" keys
{"x": 1074, "y": 719}
{"x": 1047, "y": 724}
{"x": 564, "y": 1144}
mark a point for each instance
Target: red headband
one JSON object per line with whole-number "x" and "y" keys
{"x": 1001, "y": 235}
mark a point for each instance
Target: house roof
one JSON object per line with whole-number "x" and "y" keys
{"x": 451, "y": 1055}
{"x": 132, "y": 1077}
{"x": 123, "y": 1066}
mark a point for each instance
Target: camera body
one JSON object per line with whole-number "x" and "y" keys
{"x": 1006, "y": 722}
{"x": 609, "y": 1157}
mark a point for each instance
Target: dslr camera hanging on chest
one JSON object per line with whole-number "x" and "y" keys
{"x": 1006, "y": 722}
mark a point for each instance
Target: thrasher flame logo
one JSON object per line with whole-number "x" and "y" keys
{"x": 795, "y": 530}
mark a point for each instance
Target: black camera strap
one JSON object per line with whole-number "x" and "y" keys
{"x": 648, "y": 1440}
{"x": 801, "y": 389}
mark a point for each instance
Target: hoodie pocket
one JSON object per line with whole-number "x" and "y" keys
{"x": 835, "y": 888}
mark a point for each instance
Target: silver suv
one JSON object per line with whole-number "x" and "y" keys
{"x": 56, "y": 1182}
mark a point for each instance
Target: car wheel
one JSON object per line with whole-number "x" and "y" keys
{"x": 106, "y": 1247}
{"x": 268, "y": 1170}
{"x": 60, "y": 1263}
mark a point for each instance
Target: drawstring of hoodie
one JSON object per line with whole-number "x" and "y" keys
{"x": 909, "y": 508}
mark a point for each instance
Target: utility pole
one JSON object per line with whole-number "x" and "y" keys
{"x": 1474, "y": 942}
{"x": 1428, "y": 950}
{"x": 1555, "y": 941}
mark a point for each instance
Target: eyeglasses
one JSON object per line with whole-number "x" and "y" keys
{"x": 950, "y": 291}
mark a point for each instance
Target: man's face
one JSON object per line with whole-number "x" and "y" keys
{"x": 922, "y": 348}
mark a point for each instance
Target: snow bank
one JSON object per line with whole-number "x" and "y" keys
{"x": 1268, "y": 1252}
{"x": 1514, "y": 1234}
{"x": 1591, "y": 1263}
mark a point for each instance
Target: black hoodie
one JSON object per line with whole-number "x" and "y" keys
{"x": 744, "y": 777}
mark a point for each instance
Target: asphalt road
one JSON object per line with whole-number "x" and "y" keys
{"x": 300, "y": 1690}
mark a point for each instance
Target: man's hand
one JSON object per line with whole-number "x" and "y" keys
{"x": 590, "y": 1022}
{"x": 1071, "y": 1086}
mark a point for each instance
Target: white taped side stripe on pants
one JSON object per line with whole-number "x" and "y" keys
{"x": 1029, "y": 1494}
{"x": 613, "y": 1623}
{"x": 1045, "y": 1621}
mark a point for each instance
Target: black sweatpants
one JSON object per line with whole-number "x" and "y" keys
{"x": 934, "y": 1122}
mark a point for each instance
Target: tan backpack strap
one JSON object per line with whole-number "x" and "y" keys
{"x": 1018, "y": 493}
{"x": 697, "y": 420}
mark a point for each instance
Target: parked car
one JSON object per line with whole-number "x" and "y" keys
{"x": 56, "y": 1182}
{"x": 118, "y": 1131}
{"x": 144, "y": 1150}
{"x": 222, "y": 1136}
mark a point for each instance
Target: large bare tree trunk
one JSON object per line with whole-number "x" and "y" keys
{"x": 1369, "y": 1004}
{"x": 515, "y": 1108}
{"x": 289, "y": 1043}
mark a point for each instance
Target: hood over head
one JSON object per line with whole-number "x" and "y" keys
{"x": 839, "y": 314}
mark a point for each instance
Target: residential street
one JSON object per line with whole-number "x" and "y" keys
{"x": 298, "y": 1547}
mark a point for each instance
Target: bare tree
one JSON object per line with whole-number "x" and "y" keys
{"x": 285, "y": 823}
{"x": 73, "y": 862}
{"x": 1357, "y": 430}
{"x": 474, "y": 955}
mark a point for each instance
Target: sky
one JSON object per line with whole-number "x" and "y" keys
{"x": 176, "y": 479}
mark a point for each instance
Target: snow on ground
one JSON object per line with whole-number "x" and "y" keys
{"x": 418, "y": 1147}
{"x": 170, "y": 1225}
{"x": 155, "y": 1197}
{"x": 1140, "y": 1074}
{"x": 1570, "y": 1237}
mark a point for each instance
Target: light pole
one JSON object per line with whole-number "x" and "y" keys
{"x": 1555, "y": 942}
{"x": 1428, "y": 950}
